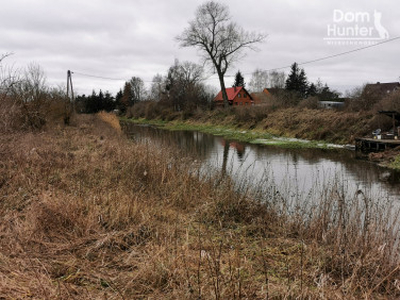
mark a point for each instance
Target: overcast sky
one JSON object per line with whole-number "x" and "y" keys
{"x": 124, "y": 38}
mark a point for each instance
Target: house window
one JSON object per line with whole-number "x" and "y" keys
{"x": 238, "y": 95}
{"x": 244, "y": 95}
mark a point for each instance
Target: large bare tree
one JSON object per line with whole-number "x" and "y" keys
{"x": 220, "y": 40}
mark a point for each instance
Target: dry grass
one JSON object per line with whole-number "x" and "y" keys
{"x": 89, "y": 214}
{"x": 110, "y": 119}
{"x": 304, "y": 121}
{"x": 320, "y": 124}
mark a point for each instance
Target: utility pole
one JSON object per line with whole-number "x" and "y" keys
{"x": 70, "y": 102}
{"x": 70, "y": 87}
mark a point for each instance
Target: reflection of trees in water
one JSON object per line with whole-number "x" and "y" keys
{"x": 190, "y": 143}
{"x": 225, "y": 158}
{"x": 205, "y": 146}
{"x": 344, "y": 159}
{"x": 239, "y": 148}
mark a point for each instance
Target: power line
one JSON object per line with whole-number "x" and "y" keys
{"x": 339, "y": 54}
{"x": 98, "y": 77}
{"x": 107, "y": 78}
{"x": 274, "y": 69}
{"x": 145, "y": 81}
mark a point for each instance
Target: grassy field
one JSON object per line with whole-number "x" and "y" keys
{"x": 89, "y": 214}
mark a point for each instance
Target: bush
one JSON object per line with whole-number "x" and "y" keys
{"x": 311, "y": 103}
{"x": 390, "y": 102}
{"x": 250, "y": 115}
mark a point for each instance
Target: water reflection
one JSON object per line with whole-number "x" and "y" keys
{"x": 296, "y": 170}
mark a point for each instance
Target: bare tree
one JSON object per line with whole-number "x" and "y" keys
{"x": 182, "y": 83}
{"x": 32, "y": 95}
{"x": 8, "y": 76}
{"x": 26, "y": 102}
{"x": 259, "y": 80}
{"x": 138, "y": 89}
{"x": 277, "y": 79}
{"x": 9, "y": 109}
{"x": 157, "y": 88}
{"x": 219, "y": 39}
{"x": 191, "y": 73}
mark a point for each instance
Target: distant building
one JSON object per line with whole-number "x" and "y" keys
{"x": 273, "y": 91}
{"x": 331, "y": 104}
{"x": 237, "y": 96}
{"x": 266, "y": 96}
{"x": 381, "y": 89}
{"x": 256, "y": 98}
{"x": 259, "y": 98}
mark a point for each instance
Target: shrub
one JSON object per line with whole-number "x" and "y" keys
{"x": 27, "y": 103}
{"x": 311, "y": 103}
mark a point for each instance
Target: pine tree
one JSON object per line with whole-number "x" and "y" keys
{"x": 312, "y": 90}
{"x": 239, "y": 80}
{"x": 297, "y": 81}
{"x": 303, "y": 84}
{"x": 292, "y": 80}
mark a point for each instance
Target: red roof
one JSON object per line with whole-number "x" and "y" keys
{"x": 231, "y": 92}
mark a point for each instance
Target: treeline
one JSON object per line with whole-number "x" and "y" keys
{"x": 95, "y": 102}
{"x": 297, "y": 84}
{"x": 27, "y": 101}
{"x": 181, "y": 89}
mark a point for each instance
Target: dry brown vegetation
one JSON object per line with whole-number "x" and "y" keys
{"x": 285, "y": 115}
{"x": 300, "y": 122}
{"x": 321, "y": 124}
{"x": 89, "y": 214}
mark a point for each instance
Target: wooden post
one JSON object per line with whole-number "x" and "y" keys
{"x": 70, "y": 86}
{"x": 394, "y": 125}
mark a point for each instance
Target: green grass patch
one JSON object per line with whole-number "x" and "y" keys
{"x": 238, "y": 134}
{"x": 155, "y": 122}
{"x": 395, "y": 164}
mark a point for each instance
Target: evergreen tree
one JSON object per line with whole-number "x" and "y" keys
{"x": 297, "y": 81}
{"x": 239, "y": 80}
{"x": 312, "y": 90}
{"x": 328, "y": 95}
{"x": 303, "y": 84}
{"x": 109, "y": 103}
{"x": 92, "y": 105}
{"x": 292, "y": 80}
{"x": 324, "y": 93}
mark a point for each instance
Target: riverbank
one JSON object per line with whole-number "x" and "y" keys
{"x": 229, "y": 132}
{"x": 88, "y": 214}
{"x": 330, "y": 126}
{"x": 285, "y": 127}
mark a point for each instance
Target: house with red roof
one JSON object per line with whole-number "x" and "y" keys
{"x": 237, "y": 96}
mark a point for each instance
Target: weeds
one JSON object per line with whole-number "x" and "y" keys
{"x": 87, "y": 213}
{"x": 305, "y": 121}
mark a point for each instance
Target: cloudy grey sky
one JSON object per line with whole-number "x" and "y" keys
{"x": 124, "y": 38}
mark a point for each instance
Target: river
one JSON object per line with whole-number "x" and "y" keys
{"x": 292, "y": 171}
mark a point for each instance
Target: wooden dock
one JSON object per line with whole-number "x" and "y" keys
{"x": 375, "y": 145}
